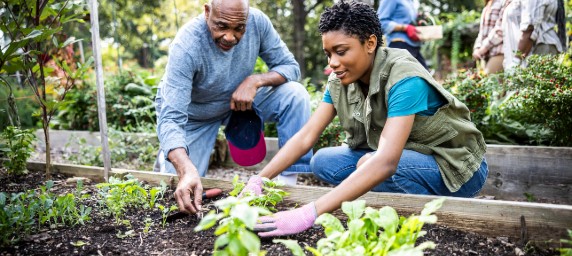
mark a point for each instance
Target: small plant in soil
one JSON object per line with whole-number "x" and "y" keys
{"x": 25, "y": 212}
{"x": 235, "y": 221}
{"x": 119, "y": 194}
{"x": 271, "y": 193}
{"x": 371, "y": 232}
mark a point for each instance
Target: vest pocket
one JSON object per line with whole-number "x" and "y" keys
{"x": 432, "y": 132}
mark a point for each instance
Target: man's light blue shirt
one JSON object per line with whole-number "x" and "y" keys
{"x": 200, "y": 77}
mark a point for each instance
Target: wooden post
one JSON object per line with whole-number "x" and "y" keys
{"x": 100, "y": 89}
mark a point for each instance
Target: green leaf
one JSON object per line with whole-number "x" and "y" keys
{"x": 250, "y": 241}
{"x": 35, "y": 33}
{"x": 354, "y": 209}
{"x": 248, "y": 215}
{"x": 292, "y": 245}
{"x": 78, "y": 243}
{"x": 206, "y": 222}
{"x": 221, "y": 241}
{"x": 388, "y": 219}
{"x": 330, "y": 223}
{"x": 433, "y": 206}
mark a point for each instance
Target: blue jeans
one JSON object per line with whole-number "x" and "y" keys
{"x": 416, "y": 173}
{"x": 288, "y": 105}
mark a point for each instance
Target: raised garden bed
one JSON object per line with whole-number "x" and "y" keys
{"x": 464, "y": 226}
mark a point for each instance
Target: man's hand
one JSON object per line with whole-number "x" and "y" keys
{"x": 412, "y": 32}
{"x": 287, "y": 222}
{"x": 189, "y": 186}
{"x": 243, "y": 97}
{"x": 253, "y": 186}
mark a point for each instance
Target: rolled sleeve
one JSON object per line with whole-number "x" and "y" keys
{"x": 174, "y": 96}
{"x": 275, "y": 52}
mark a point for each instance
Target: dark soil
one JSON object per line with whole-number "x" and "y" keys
{"x": 101, "y": 234}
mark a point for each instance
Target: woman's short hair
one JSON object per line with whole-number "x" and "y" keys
{"x": 353, "y": 18}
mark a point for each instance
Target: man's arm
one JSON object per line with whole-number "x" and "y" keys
{"x": 175, "y": 94}
{"x": 281, "y": 63}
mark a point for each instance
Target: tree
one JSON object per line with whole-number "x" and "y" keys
{"x": 42, "y": 52}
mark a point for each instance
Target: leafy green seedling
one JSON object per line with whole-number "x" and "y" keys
{"x": 236, "y": 218}
{"x": 567, "y": 251}
{"x": 165, "y": 212}
{"x": 372, "y": 232}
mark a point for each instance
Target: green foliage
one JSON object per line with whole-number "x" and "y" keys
{"x": 567, "y": 242}
{"x": 131, "y": 150}
{"x": 236, "y": 218}
{"x": 129, "y": 99}
{"x": 165, "y": 211}
{"x": 271, "y": 193}
{"x": 25, "y": 212}
{"x": 19, "y": 146}
{"x": 25, "y": 105}
{"x": 374, "y": 232}
{"x": 530, "y": 106}
{"x": 119, "y": 194}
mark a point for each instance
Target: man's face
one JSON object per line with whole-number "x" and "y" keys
{"x": 226, "y": 21}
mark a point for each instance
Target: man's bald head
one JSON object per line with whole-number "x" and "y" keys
{"x": 231, "y": 4}
{"x": 226, "y": 20}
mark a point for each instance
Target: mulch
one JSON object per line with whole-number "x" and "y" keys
{"x": 101, "y": 236}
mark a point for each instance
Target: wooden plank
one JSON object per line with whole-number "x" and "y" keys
{"x": 543, "y": 172}
{"x": 544, "y": 222}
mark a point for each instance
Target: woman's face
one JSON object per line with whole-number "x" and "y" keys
{"x": 349, "y": 59}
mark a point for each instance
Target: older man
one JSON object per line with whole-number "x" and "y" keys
{"x": 209, "y": 74}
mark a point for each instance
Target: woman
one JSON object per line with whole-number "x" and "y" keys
{"x": 488, "y": 45}
{"x": 405, "y": 133}
{"x": 397, "y": 17}
{"x": 528, "y": 28}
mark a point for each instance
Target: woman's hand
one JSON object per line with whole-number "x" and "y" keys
{"x": 287, "y": 222}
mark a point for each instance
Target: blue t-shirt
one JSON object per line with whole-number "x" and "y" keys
{"x": 411, "y": 95}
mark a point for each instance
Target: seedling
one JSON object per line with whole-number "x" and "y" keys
{"x": 567, "y": 251}
{"x": 165, "y": 212}
{"x": 271, "y": 194}
{"x": 236, "y": 218}
{"x": 371, "y": 232}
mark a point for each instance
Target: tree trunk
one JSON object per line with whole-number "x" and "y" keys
{"x": 46, "y": 127}
{"x": 299, "y": 12}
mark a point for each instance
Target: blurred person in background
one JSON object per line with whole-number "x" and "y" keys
{"x": 529, "y": 28}
{"x": 397, "y": 18}
{"x": 488, "y": 45}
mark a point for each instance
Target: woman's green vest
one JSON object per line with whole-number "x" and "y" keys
{"x": 448, "y": 135}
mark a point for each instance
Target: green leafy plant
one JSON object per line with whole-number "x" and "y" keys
{"x": 271, "y": 193}
{"x": 372, "y": 232}
{"x": 235, "y": 220}
{"x": 24, "y": 212}
{"x": 41, "y": 51}
{"x": 119, "y": 194}
{"x": 567, "y": 251}
{"x": 166, "y": 210}
{"x": 19, "y": 147}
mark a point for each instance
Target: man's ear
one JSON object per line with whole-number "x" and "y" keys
{"x": 371, "y": 43}
{"x": 207, "y": 8}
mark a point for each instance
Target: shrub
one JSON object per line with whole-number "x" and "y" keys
{"x": 529, "y": 106}
{"x": 19, "y": 145}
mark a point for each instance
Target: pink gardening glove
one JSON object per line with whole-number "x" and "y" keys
{"x": 412, "y": 32}
{"x": 254, "y": 185}
{"x": 287, "y": 222}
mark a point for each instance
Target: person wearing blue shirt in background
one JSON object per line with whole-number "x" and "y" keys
{"x": 209, "y": 74}
{"x": 397, "y": 18}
